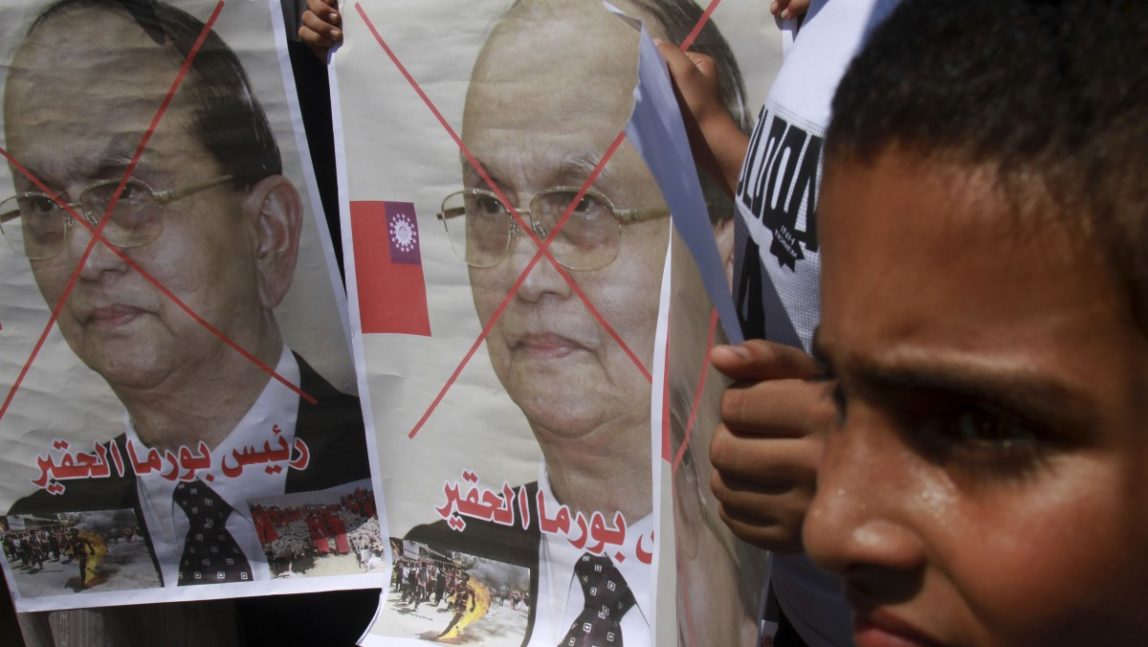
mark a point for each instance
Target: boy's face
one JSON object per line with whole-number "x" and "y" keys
{"x": 987, "y": 481}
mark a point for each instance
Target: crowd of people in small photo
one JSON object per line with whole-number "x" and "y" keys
{"x": 446, "y": 584}
{"x": 428, "y": 580}
{"x": 295, "y": 538}
{"x": 30, "y": 548}
{"x": 446, "y": 596}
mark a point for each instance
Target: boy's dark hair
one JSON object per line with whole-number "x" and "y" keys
{"x": 1047, "y": 95}
{"x": 228, "y": 121}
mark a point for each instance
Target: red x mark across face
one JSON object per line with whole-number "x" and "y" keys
{"x": 543, "y": 245}
{"x": 97, "y": 236}
{"x": 695, "y": 404}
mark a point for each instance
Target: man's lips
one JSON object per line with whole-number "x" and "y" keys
{"x": 546, "y": 345}
{"x": 881, "y": 629}
{"x": 111, "y": 315}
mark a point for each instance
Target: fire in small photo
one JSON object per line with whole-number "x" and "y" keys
{"x": 76, "y": 552}
{"x": 455, "y": 598}
{"x": 329, "y": 532}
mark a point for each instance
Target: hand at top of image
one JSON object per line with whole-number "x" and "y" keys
{"x": 320, "y": 29}
{"x": 696, "y": 79}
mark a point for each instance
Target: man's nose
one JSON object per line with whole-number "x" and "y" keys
{"x": 543, "y": 278}
{"x": 102, "y": 258}
{"x": 862, "y": 522}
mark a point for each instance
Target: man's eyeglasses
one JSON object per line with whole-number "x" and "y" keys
{"x": 37, "y": 226}
{"x": 482, "y": 231}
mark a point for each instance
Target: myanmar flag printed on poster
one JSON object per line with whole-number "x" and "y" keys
{"x": 388, "y": 268}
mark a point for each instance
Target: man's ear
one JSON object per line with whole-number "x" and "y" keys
{"x": 274, "y": 207}
{"x": 723, "y": 232}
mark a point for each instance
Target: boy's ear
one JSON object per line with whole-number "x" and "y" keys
{"x": 276, "y": 210}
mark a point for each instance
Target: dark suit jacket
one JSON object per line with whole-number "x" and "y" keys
{"x": 507, "y": 544}
{"x": 334, "y": 433}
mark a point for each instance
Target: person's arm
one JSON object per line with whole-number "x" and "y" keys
{"x": 766, "y": 451}
{"x": 718, "y": 142}
{"x": 320, "y": 29}
{"x": 696, "y": 80}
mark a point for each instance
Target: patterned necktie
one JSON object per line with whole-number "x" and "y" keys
{"x": 607, "y": 598}
{"x": 210, "y": 554}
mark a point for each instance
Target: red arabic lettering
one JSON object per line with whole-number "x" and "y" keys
{"x": 71, "y": 466}
{"x": 154, "y": 460}
{"x": 644, "y": 555}
{"x": 560, "y": 523}
{"x": 523, "y": 508}
{"x": 477, "y": 503}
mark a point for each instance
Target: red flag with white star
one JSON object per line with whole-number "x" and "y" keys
{"x": 388, "y": 268}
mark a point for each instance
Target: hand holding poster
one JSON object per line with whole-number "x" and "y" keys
{"x": 165, "y": 433}
{"x": 516, "y": 436}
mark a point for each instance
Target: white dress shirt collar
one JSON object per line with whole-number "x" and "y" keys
{"x": 560, "y": 598}
{"x": 276, "y": 407}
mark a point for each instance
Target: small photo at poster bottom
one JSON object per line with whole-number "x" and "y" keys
{"x": 451, "y": 597}
{"x": 329, "y": 532}
{"x": 77, "y": 552}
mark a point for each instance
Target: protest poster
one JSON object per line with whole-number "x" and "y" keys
{"x": 715, "y": 579}
{"x": 180, "y": 417}
{"x": 505, "y": 246}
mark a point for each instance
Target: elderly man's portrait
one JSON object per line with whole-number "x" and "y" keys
{"x": 159, "y": 230}
{"x": 533, "y": 447}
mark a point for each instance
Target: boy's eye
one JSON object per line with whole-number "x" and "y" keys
{"x": 982, "y": 439}
{"x": 974, "y": 425}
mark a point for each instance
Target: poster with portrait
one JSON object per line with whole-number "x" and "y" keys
{"x": 505, "y": 246}
{"x": 180, "y": 416}
{"x": 714, "y": 581}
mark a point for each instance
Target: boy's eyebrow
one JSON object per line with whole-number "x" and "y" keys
{"x": 1040, "y": 397}
{"x": 973, "y": 384}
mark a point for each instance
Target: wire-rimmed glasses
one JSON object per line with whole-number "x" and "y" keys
{"x": 36, "y": 225}
{"x": 481, "y": 229}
